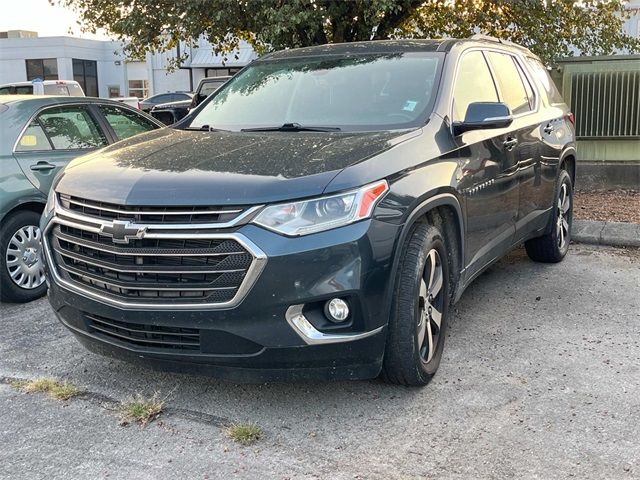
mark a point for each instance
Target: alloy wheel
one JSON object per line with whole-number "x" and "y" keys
{"x": 23, "y": 258}
{"x": 562, "y": 223}
{"x": 430, "y": 306}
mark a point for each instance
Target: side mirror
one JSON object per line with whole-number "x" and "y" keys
{"x": 484, "y": 115}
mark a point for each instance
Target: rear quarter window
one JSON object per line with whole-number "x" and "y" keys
{"x": 542, "y": 76}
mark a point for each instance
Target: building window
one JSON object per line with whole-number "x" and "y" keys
{"x": 114, "y": 91}
{"x": 139, "y": 88}
{"x": 221, "y": 72}
{"x": 85, "y": 72}
{"x": 42, "y": 68}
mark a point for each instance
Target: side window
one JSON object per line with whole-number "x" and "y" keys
{"x": 56, "y": 89}
{"x": 71, "y": 128}
{"x": 542, "y": 75}
{"x": 512, "y": 91}
{"x": 5, "y": 91}
{"x": 527, "y": 86}
{"x": 124, "y": 122}
{"x": 33, "y": 139}
{"x": 24, "y": 90}
{"x": 473, "y": 84}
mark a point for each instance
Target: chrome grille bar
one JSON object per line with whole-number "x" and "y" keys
{"x": 143, "y": 275}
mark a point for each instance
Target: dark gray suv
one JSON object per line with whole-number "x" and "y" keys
{"x": 318, "y": 215}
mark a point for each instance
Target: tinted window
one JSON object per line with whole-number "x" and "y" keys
{"x": 125, "y": 122}
{"x": 473, "y": 84}
{"x": 85, "y": 72}
{"x": 71, "y": 128}
{"x": 509, "y": 83}
{"x": 24, "y": 90}
{"x": 358, "y": 92}
{"x": 543, "y": 77}
{"x": 44, "y": 69}
{"x": 5, "y": 91}
{"x": 164, "y": 98}
{"x": 33, "y": 139}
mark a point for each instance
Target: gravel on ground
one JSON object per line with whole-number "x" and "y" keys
{"x": 607, "y": 206}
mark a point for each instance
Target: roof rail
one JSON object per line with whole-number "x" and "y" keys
{"x": 489, "y": 38}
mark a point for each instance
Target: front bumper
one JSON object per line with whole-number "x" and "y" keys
{"x": 259, "y": 340}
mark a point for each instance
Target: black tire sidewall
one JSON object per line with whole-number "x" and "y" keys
{"x": 403, "y": 363}
{"x": 9, "y": 291}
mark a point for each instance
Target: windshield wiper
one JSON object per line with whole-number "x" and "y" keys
{"x": 292, "y": 127}
{"x": 207, "y": 128}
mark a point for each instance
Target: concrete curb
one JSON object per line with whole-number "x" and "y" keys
{"x": 615, "y": 234}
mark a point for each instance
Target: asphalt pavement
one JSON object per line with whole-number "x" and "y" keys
{"x": 540, "y": 379}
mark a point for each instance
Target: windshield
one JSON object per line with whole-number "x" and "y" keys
{"x": 364, "y": 92}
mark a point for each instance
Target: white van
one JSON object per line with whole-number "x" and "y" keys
{"x": 47, "y": 87}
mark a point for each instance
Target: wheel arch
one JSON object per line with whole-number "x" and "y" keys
{"x": 33, "y": 205}
{"x": 568, "y": 162}
{"x": 444, "y": 210}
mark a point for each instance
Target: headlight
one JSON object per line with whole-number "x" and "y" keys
{"x": 324, "y": 213}
{"x": 51, "y": 201}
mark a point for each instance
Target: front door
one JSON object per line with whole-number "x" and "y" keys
{"x": 55, "y": 137}
{"x": 488, "y": 163}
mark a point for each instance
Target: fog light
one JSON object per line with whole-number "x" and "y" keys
{"x": 336, "y": 310}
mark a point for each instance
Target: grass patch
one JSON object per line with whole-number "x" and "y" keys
{"x": 244, "y": 433}
{"x": 54, "y": 388}
{"x": 141, "y": 410}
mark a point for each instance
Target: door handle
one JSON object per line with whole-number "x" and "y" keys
{"x": 509, "y": 143}
{"x": 548, "y": 129}
{"x": 40, "y": 166}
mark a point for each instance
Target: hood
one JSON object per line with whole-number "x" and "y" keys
{"x": 179, "y": 167}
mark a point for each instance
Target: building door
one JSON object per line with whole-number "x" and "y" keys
{"x": 85, "y": 72}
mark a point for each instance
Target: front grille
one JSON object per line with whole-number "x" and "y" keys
{"x": 146, "y": 336}
{"x": 161, "y": 268}
{"x": 151, "y": 215}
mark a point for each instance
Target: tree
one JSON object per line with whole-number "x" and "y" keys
{"x": 550, "y": 28}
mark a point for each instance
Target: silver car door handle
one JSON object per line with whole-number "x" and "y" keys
{"x": 42, "y": 166}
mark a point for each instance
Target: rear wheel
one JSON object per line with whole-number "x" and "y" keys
{"x": 22, "y": 272}
{"x": 420, "y": 312}
{"x": 553, "y": 246}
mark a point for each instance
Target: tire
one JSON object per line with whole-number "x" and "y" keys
{"x": 554, "y": 245}
{"x": 20, "y": 250}
{"x": 408, "y": 359}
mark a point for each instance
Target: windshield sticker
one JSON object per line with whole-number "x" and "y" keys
{"x": 409, "y": 105}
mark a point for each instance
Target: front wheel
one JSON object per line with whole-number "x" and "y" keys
{"x": 554, "y": 245}
{"x": 22, "y": 272}
{"x": 420, "y": 311}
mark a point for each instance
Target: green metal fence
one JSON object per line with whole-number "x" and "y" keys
{"x": 604, "y": 94}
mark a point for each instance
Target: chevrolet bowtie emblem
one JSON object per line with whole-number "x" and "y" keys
{"x": 122, "y": 231}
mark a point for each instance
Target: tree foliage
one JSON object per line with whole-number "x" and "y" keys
{"x": 550, "y": 28}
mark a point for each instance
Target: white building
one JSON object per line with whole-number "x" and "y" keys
{"x": 103, "y": 71}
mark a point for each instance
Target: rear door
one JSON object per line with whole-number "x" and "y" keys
{"x": 54, "y": 137}
{"x": 515, "y": 89}
{"x": 487, "y": 183}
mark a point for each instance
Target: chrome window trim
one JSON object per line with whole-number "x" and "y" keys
{"x": 517, "y": 56}
{"x": 76, "y": 103}
{"x": 84, "y": 223}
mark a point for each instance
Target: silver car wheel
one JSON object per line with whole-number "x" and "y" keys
{"x": 430, "y": 306}
{"x": 24, "y": 258}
